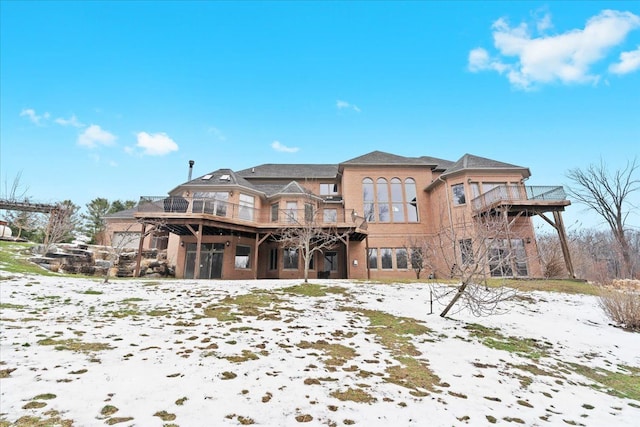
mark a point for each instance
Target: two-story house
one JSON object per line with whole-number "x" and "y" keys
{"x": 394, "y": 215}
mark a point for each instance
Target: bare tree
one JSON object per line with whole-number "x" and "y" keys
{"x": 473, "y": 251}
{"x": 308, "y": 234}
{"x": 608, "y": 194}
{"x": 17, "y": 191}
{"x": 421, "y": 252}
{"x": 550, "y": 255}
{"x": 62, "y": 222}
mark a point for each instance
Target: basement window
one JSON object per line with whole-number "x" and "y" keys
{"x": 243, "y": 257}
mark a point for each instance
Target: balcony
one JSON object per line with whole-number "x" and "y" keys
{"x": 520, "y": 198}
{"x": 188, "y": 208}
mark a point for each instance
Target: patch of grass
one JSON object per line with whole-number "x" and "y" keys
{"x": 395, "y": 333}
{"x": 413, "y": 374}
{"x": 354, "y": 395}
{"x": 492, "y": 338}
{"x": 128, "y": 310}
{"x": 181, "y": 401}
{"x": 245, "y": 356}
{"x": 91, "y": 292}
{"x": 14, "y": 258}
{"x": 11, "y": 306}
{"x": 118, "y": 420}
{"x": 34, "y": 405}
{"x": 45, "y": 396}
{"x": 108, "y": 410}
{"x": 227, "y": 375}
{"x": 338, "y": 353}
{"x": 6, "y": 373}
{"x": 245, "y": 421}
{"x": 159, "y": 312}
{"x": 314, "y": 290}
{"x": 624, "y": 384}
{"x": 304, "y": 418}
{"x": 165, "y": 416}
{"x": 221, "y": 313}
{"x": 73, "y": 344}
{"x": 33, "y": 421}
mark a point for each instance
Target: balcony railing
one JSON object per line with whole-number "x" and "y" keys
{"x": 518, "y": 194}
{"x": 221, "y": 209}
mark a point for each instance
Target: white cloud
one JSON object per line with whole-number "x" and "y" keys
{"x": 94, "y": 135}
{"x": 276, "y": 145}
{"x": 567, "y": 57}
{"x": 30, "y": 113}
{"x": 629, "y": 62}
{"x": 157, "y": 144}
{"x": 340, "y": 105}
{"x": 72, "y": 121}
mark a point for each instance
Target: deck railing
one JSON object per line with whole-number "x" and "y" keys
{"x": 518, "y": 193}
{"x": 187, "y": 206}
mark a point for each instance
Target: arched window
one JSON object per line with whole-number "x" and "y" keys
{"x": 411, "y": 199}
{"x": 368, "y": 199}
{"x": 384, "y": 209}
{"x": 397, "y": 205}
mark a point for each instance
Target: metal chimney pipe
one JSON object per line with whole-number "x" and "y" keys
{"x": 191, "y": 163}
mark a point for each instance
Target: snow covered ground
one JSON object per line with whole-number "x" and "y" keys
{"x": 212, "y": 353}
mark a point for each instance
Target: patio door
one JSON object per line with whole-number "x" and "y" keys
{"x": 211, "y": 257}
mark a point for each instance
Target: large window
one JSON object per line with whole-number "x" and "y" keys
{"x": 290, "y": 258}
{"x": 372, "y": 258}
{"x": 243, "y": 257}
{"x": 411, "y": 199}
{"x": 386, "y": 258}
{"x": 401, "y": 259}
{"x": 368, "y": 199}
{"x": 383, "y": 200}
{"x": 390, "y": 201}
{"x": 328, "y": 189}
{"x": 292, "y": 211}
{"x": 457, "y": 191}
{"x": 210, "y": 202}
{"x": 275, "y": 211}
{"x": 507, "y": 257}
{"x": 397, "y": 204}
{"x": 247, "y": 204}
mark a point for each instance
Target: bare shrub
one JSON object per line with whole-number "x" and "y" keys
{"x": 622, "y": 307}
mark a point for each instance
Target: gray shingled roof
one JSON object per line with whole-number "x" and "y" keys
{"x": 382, "y": 158}
{"x": 125, "y": 214}
{"x": 439, "y": 164}
{"x": 293, "y": 171}
{"x": 220, "y": 177}
{"x": 469, "y": 161}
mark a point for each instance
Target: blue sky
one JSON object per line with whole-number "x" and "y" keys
{"x": 112, "y": 99}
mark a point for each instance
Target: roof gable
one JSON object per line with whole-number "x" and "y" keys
{"x": 383, "y": 158}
